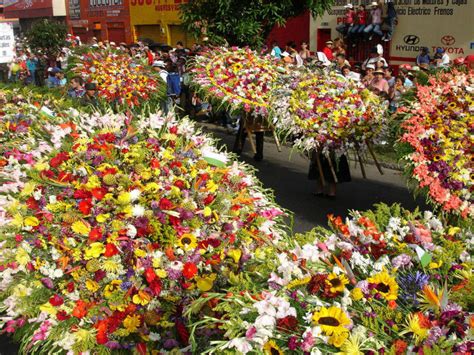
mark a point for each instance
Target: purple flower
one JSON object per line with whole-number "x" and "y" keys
{"x": 47, "y": 282}
{"x": 410, "y": 284}
{"x": 402, "y": 261}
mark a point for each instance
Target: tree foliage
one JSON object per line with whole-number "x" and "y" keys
{"x": 243, "y": 22}
{"x": 47, "y": 36}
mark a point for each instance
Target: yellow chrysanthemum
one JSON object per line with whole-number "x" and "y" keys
{"x": 414, "y": 326}
{"x": 385, "y": 285}
{"x": 132, "y": 322}
{"x": 337, "y": 283}
{"x": 332, "y": 320}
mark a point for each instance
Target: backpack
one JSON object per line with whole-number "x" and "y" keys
{"x": 173, "y": 83}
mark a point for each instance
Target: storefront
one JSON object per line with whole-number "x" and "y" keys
{"x": 102, "y": 19}
{"x": 421, "y": 23}
{"x": 159, "y": 21}
{"x": 27, "y": 12}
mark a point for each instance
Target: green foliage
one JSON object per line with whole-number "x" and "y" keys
{"x": 47, "y": 36}
{"x": 243, "y": 22}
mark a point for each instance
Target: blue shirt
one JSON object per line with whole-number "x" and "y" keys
{"x": 423, "y": 59}
{"x": 276, "y": 52}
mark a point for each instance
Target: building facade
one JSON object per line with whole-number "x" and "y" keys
{"x": 27, "y": 12}
{"x": 421, "y": 23}
{"x": 159, "y": 21}
{"x": 102, "y": 19}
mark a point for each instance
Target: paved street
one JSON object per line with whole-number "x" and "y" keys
{"x": 286, "y": 174}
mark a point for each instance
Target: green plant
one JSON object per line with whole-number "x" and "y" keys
{"x": 243, "y": 22}
{"x": 47, "y": 36}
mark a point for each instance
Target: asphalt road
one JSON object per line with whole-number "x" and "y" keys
{"x": 286, "y": 174}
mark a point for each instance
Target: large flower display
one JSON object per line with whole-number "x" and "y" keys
{"x": 328, "y": 112}
{"x": 384, "y": 280}
{"x": 438, "y": 130}
{"x": 238, "y": 77}
{"x": 117, "y": 230}
{"x": 28, "y": 129}
{"x": 120, "y": 80}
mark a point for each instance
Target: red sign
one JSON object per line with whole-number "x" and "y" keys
{"x": 29, "y": 9}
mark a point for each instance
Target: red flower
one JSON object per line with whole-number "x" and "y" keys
{"x": 189, "y": 270}
{"x": 80, "y": 310}
{"x": 165, "y": 204}
{"x": 70, "y": 287}
{"x": 99, "y": 193}
{"x": 155, "y": 163}
{"x": 150, "y": 275}
{"x": 183, "y": 333}
{"x": 56, "y": 300}
{"x": 101, "y": 335}
{"x": 95, "y": 234}
{"x": 141, "y": 348}
{"x": 209, "y": 199}
{"x": 32, "y": 203}
{"x": 85, "y": 206}
{"x": 110, "y": 250}
{"x": 400, "y": 346}
{"x": 62, "y": 315}
{"x": 287, "y": 324}
{"x": 80, "y": 194}
{"x": 155, "y": 286}
{"x": 59, "y": 159}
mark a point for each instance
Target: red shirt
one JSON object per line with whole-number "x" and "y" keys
{"x": 350, "y": 17}
{"x": 328, "y": 53}
{"x": 362, "y": 17}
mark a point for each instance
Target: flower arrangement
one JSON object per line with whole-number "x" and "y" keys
{"x": 384, "y": 280}
{"x": 116, "y": 231}
{"x": 325, "y": 111}
{"x": 120, "y": 80}
{"x": 437, "y": 141}
{"x": 238, "y": 77}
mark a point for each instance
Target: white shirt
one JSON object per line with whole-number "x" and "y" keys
{"x": 444, "y": 60}
{"x": 323, "y": 58}
{"x": 374, "y": 61}
{"x": 164, "y": 75}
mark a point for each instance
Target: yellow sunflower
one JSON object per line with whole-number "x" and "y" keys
{"x": 385, "y": 285}
{"x": 187, "y": 242}
{"x": 337, "y": 282}
{"x": 271, "y": 348}
{"x": 332, "y": 320}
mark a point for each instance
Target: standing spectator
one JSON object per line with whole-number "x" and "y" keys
{"x": 389, "y": 76}
{"x": 41, "y": 69}
{"x": 339, "y": 46}
{"x": 361, "y": 23}
{"x": 304, "y": 52}
{"x": 297, "y": 60}
{"x": 374, "y": 58}
{"x": 341, "y": 62}
{"x": 76, "y": 89}
{"x": 32, "y": 64}
{"x": 347, "y": 73}
{"x": 395, "y": 93}
{"x": 378, "y": 84}
{"x": 376, "y": 23}
{"x": 390, "y": 20}
{"x": 276, "y": 51}
{"x": 60, "y": 80}
{"x": 327, "y": 50}
{"x": 51, "y": 80}
{"x": 423, "y": 59}
{"x": 160, "y": 66}
{"x": 90, "y": 96}
{"x": 369, "y": 75}
{"x": 441, "y": 58}
{"x": 349, "y": 20}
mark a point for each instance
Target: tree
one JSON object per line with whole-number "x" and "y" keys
{"x": 243, "y": 22}
{"x": 47, "y": 36}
